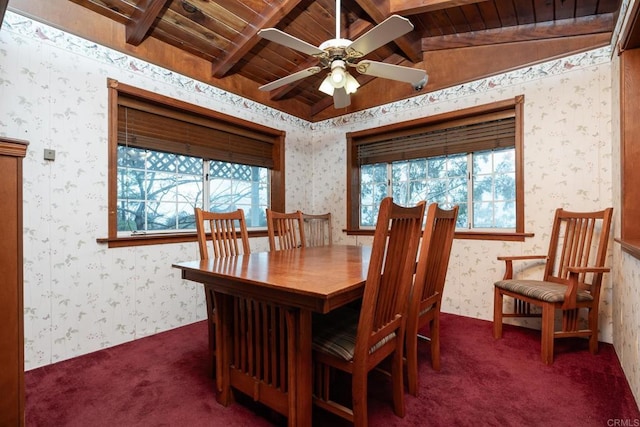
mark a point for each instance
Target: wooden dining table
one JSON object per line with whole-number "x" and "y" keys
{"x": 265, "y": 302}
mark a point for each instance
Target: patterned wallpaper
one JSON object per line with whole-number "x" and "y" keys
{"x": 81, "y": 296}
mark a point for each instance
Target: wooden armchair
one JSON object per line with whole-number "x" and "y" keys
{"x": 428, "y": 285}
{"x": 286, "y": 230}
{"x": 318, "y": 231}
{"x": 222, "y": 231}
{"x": 357, "y": 341}
{"x": 572, "y": 279}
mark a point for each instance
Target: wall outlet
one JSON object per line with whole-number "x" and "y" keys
{"x": 49, "y": 154}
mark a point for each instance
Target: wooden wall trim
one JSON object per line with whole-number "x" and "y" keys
{"x": 630, "y": 150}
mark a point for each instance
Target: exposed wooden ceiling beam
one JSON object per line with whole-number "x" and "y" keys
{"x": 413, "y": 7}
{"x": 409, "y": 44}
{"x": 142, "y": 19}
{"x": 103, "y": 10}
{"x": 455, "y": 66}
{"x": 249, "y": 37}
{"x": 542, "y": 31}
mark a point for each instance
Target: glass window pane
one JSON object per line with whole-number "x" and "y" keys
{"x": 130, "y": 183}
{"x": 505, "y": 214}
{"x": 436, "y": 167}
{"x": 368, "y": 215}
{"x": 445, "y": 180}
{"x": 417, "y": 192}
{"x": 504, "y": 160}
{"x": 131, "y": 157}
{"x": 161, "y": 186}
{"x": 417, "y": 169}
{"x": 505, "y": 186}
{"x": 482, "y": 162}
{"x": 463, "y": 216}
{"x": 161, "y": 162}
{"x": 400, "y": 192}
{"x": 483, "y": 188}
{"x": 366, "y": 195}
{"x": 482, "y": 214}
{"x": 186, "y": 216}
{"x": 131, "y": 216}
{"x": 233, "y": 186}
{"x": 161, "y": 216}
{"x": 457, "y": 165}
{"x": 458, "y": 193}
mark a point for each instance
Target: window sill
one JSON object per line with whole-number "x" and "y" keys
{"x": 464, "y": 235}
{"x": 632, "y": 247}
{"x": 159, "y": 239}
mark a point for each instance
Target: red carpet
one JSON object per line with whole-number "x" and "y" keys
{"x": 162, "y": 381}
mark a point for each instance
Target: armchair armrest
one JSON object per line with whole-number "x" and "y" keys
{"x": 574, "y": 284}
{"x": 521, "y": 257}
{"x": 508, "y": 273}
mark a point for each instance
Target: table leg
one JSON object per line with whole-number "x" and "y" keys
{"x": 224, "y": 311}
{"x": 300, "y": 378}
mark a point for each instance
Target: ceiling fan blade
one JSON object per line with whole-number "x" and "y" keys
{"x": 280, "y": 37}
{"x": 417, "y": 77}
{"x": 386, "y": 31}
{"x": 341, "y": 98}
{"x": 290, "y": 78}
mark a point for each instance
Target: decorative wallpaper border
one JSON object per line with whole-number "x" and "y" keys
{"x": 29, "y": 28}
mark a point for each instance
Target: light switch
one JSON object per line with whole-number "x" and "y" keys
{"x": 49, "y": 154}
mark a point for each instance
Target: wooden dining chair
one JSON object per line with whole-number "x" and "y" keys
{"x": 356, "y": 341}
{"x": 222, "y": 232}
{"x": 317, "y": 229}
{"x": 426, "y": 294}
{"x": 286, "y": 230}
{"x": 574, "y": 267}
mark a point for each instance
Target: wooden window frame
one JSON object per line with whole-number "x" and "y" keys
{"x": 629, "y": 152}
{"x": 277, "y": 172}
{"x": 353, "y": 169}
{"x": 629, "y": 51}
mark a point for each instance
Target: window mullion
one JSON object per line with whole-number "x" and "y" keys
{"x": 205, "y": 184}
{"x": 389, "y": 180}
{"x": 470, "y": 191}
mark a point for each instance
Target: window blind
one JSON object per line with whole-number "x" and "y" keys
{"x": 148, "y": 126}
{"x": 495, "y": 130}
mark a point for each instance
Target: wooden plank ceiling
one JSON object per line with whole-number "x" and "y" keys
{"x": 216, "y": 41}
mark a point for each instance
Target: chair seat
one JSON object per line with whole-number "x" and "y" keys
{"x": 335, "y": 333}
{"x": 541, "y": 290}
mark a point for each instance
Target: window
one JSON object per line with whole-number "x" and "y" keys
{"x": 169, "y": 157}
{"x": 158, "y": 191}
{"x": 472, "y": 158}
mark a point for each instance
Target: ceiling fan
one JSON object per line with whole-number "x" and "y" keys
{"x": 338, "y": 54}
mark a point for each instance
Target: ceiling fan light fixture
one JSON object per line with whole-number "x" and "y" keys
{"x": 327, "y": 86}
{"x": 351, "y": 85}
{"x": 338, "y": 73}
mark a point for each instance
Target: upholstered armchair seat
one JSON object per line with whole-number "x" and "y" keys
{"x": 541, "y": 290}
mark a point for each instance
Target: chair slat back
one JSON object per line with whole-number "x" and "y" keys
{"x": 286, "y": 230}
{"x": 578, "y": 239}
{"x": 223, "y": 230}
{"x": 433, "y": 257}
{"x": 393, "y": 257}
{"x": 318, "y": 229}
